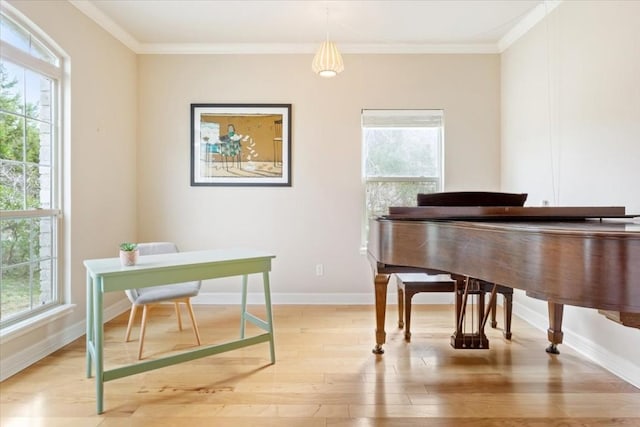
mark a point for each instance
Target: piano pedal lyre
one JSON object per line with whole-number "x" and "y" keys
{"x": 476, "y": 338}
{"x": 469, "y": 341}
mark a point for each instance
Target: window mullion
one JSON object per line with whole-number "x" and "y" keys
{"x": 30, "y": 213}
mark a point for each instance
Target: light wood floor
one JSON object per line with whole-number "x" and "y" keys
{"x": 325, "y": 375}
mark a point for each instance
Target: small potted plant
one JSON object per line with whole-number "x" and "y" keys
{"x": 128, "y": 253}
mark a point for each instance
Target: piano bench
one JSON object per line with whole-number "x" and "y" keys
{"x": 410, "y": 284}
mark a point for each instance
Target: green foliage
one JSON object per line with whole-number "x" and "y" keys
{"x": 381, "y": 195}
{"x": 399, "y": 163}
{"x": 17, "y": 295}
{"x": 20, "y": 187}
{"x": 401, "y": 152}
{"x": 19, "y": 174}
{"x": 128, "y": 247}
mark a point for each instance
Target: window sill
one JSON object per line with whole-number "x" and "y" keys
{"x": 14, "y": 331}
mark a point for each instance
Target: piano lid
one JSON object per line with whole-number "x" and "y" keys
{"x": 506, "y": 213}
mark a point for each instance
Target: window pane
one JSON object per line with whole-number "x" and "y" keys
{"x": 45, "y": 268}
{"x": 40, "y": 51}
{"x": 42, "y": 144}
{"x": 38, "y": 191}
{"x": 13, "y": 34}
{"x": 38, "y": 96}
{"x": 28, "y": 264}
{"x": 45, "y": 248}
{"x": 383, "y": 194}
{"x": 34, "y": 141}
{"x": 401, "y": 152}
{"x": 11, "y": 87}
{"x": 16, "y": 241}
{"x": 16, "y": 291}
{"x": 11, "y": 186}
{"x": 12, "y": 135}
{"x": 43, "y": 291}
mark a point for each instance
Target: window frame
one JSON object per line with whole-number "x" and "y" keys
{"x": 36, "y": 315}
{"x": 387, "y": 114}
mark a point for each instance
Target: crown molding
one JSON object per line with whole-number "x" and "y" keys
{"x": 286, "y": 48}
{"x": 400, "y": 48}
{"x": 223, "y": 48}
{"x": 136, "y": 46}
{"x": 527, "y": 23}
{"x": 107, "y": 24}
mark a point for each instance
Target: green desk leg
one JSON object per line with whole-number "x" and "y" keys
{"x": 98, "y": 343}
{"x": 267, "y": 302}
{"x": 243, "y": 316}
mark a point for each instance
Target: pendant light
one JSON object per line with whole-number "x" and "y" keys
{"x": 328, "y": 61}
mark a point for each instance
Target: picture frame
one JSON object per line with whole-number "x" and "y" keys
{"x": 241, "y": 145}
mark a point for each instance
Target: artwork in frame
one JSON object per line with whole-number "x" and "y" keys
{"x": 241, "y": 144}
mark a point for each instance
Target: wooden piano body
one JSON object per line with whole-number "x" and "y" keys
{"x": 582, "y": 256}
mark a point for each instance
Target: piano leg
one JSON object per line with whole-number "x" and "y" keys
{"x": 507, "y": 306}
{"x": 400, "y": 308}
{"x": 380, "y": 282}
{"x": 554, "y": 333}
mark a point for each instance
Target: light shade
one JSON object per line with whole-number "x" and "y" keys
{"x": 328, "y": 61}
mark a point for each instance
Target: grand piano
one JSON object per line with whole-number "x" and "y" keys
{"x": 581, "y": 256}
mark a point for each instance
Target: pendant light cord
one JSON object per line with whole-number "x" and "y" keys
{"x": 326, "y": 24}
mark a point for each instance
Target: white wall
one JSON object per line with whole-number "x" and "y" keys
{"x": 99, "y": 162}
{"x": 571, "y": 135}
{"x": 318, "y": 219}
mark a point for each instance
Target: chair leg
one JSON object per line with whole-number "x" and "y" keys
{"x": 177, "y": 307}
{"x": 132, "y": 317}
{"x": 143, "y": 328}
{"x": 193, "y": 319}
{"x": 407, "y": 314}
{"x": 494, "y": 305}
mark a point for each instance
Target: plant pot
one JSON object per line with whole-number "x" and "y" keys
{"x": 129, "y": 258}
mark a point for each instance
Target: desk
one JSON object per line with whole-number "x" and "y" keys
{"x": 107, "y": 275}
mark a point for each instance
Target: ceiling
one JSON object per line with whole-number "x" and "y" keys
{"x": 298, "y": 26}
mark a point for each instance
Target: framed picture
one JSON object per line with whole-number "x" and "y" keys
{"x": 241, "y": 144}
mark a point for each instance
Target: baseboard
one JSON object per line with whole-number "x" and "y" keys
{"x": 615, "y": 364}
{"x": 15, "y": 363}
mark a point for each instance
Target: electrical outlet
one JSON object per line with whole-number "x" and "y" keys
{"x": 319, "y": 269}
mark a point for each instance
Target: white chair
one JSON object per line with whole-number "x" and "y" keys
{"x": 146, "y": 297}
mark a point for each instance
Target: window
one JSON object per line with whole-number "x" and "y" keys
{"x": 402, "y": 156}
{"x": 29, "y": 198}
